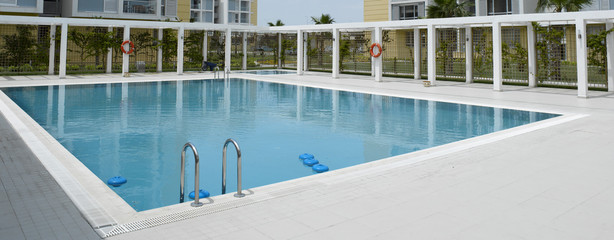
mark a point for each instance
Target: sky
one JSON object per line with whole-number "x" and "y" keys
{"x": 299, "y": 12}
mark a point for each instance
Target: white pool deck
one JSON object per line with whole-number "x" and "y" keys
{"x": 549, "y": 180}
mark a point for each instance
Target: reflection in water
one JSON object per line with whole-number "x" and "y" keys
{"x": 136, "y": 130}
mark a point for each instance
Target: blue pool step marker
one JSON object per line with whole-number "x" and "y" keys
{"x": 320, "y": 168}
{"x": 201, "y": 194}
{"x": 117, "y": 181}
{"x": 304, "y": 156}
{"x": 310, "y": 162}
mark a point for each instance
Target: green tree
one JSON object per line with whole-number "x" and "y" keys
{"x": 562, "y": 5}
{"x": 320, "y": 37}
{"x": 97, "y": 43}
{"x": 598, "y": 50}
{"x": 448, "y": 8}
{"x": 80, "y": 39}
{"x": 276, "y": 24}
{"x": 20, "y": 47}
{"x": 324, "y": 19}
{"x": 276, "y": 49}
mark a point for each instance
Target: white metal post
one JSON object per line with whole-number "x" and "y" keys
{"x": 126, "y": 57}
{"x": 244, "y": 64}
{"x": 299, "y": 52}
{"x": 228, "y": 49}
{"x": 373, "y": 63}
{"x": 497, "y": 60}
{"x": 610, "y": 55}
{"x": 417, "y": 52}
{"x": 279, "y": 50}
{"x": 532, "y": 55}
{"x": 159, "y": 56}
{"x": 468, "y": 55}
{"x": 432, "y": 60}
{"x": 377, "y": 62}
{"x": 180, "y": 35}
{"x": 109, "y": 55}
{"x": 581, "y": 58}
{"x": 51, "y": 50}
{"x": 335, "y": 53}
{"x": 63, "y": 49}
{"x": 205, "y": 45}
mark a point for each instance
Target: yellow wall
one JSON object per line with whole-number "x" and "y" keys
{"x": 183, "y": 10}
{"x": 254, "y": 15}
{"x": 375, "y": 10}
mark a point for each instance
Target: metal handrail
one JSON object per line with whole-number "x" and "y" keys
{"x": 238, "y": 194}
{"x": 196, "y": 202}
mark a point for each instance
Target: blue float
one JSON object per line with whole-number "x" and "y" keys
{"x": 310, "y": 161}
{"x": 201, "y": 194}
{"x": 320, "y": 168}
{"x": 117, "y": 181}
{"x": 304, "y": 156}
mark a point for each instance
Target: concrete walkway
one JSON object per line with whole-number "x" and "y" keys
{"x": 550, "y": 180}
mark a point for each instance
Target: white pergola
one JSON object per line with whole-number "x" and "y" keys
{"x": 580, "y": 19}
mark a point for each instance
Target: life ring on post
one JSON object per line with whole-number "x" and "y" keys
{"x": 379, "y": 48}
{"x": 131, "y": 47}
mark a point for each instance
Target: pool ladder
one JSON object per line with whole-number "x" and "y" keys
{"x": 225, "y": 73}
{"x": 197, "y": 202}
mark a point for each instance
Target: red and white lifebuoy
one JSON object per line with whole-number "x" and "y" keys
{"x": 131, "y": 47}
{"x": 379, "y": 50}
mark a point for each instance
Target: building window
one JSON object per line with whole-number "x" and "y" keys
{"x": 499, "y": 7}
{"x": 202, "y": 11}
{"x": 8, "y": 2}
{"x": 239, "y": 11}
{"x": 408, "y": 12}
{"x": 140, "y": 6}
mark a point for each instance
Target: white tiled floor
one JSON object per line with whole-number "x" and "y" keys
{"x": 547, "y": 183}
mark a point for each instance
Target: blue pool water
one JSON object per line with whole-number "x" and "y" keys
{"x": 136, "y": 130}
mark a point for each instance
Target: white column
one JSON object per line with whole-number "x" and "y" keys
{"x": 610, "y": 46}
{"x": 335, "y": 53}
{"x": 224, "y": 11}
{"x": 109, "y": 55}
{"x": 244, "y": 64}
{"x": 305, "y": 57}
{"x": 299, "y": 52}
{"x": 205, "y": 45}
{"x": 126, "y": 57}
{"x": 63, "y": 49}
{"x": 581, "y": 58}
{"x": 417, "y": 52}
{"x": 180, "y": 35}
{"x": 228, "y": 49}
{"x": 532, "y": 55}
{"x": 51, "y": 49}
{"x": 372, "y": 63}
{"x": 497, "y": 60}
{"x": 432, "y": 60}
{"x": 468, "y": 55}
{"x": 159, "y": 56}
{"x": 377, "y": 62}
{"x": 279, "y": 50}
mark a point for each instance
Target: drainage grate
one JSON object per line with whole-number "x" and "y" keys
{"x": 175, "y": 217}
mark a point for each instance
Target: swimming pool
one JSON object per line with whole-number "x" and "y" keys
{"x": 268, "y": 72}
{"x": 137, "y": 129}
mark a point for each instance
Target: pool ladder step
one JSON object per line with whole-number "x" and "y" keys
{"x": 197, "y": 202}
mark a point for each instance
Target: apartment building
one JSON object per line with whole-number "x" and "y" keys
{"x": 212, "y": 11}
{"x": 391, "y": 10}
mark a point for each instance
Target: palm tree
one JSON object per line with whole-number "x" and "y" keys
{"x": 562, "y": 5}
{"x": 278, "y": 23}
{"x": 448, "y": 8}
{"x": 324, "y": 19}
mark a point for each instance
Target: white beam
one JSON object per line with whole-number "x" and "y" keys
{"x": 244, "y": 62}
{"x": 126, "y": 57}
{"x": 432, "y": 60}
{"x": 228, "y": 49}
{"x": 63, "y": 49}
{"x": 180, "y": 35}
{"x": 417, "y": 52}
{"x": 581, "y": 58}
{"x": 109, "y": 55}
{"x": 610, "y": 46}
{"x": 377, "y": 62}
{"x": 335, "y": 53}
{"x": 51, "y": 50}
{"x": 532, "y": 55}
{"x": 497, "y": 60}
{"x": 468, "y": 55}
{"x": 299, "y": 52}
